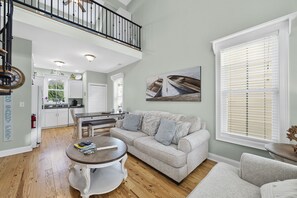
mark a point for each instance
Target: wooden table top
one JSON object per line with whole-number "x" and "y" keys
{"x": 97, "y": 114}
{"x": 283, "y": 150}
{"x": 99, "y": 157}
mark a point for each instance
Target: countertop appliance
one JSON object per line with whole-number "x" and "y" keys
{"x": 37, "y": 95}
{"x": 74, "y": 103}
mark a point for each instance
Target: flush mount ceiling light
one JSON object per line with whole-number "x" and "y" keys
{"x": 59, "y": 63}
{"x": 90, "y": 57}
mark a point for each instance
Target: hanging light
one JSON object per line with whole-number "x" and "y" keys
{"x": 59, "y": 63}
{"x": 90, "y": 57}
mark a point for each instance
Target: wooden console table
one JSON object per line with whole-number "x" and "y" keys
{"x": 282, "y": 152}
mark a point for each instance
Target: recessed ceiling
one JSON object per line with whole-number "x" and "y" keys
{"x": 50, "y": 46}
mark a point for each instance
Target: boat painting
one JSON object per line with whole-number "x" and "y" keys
{"x": 182, "y": 85}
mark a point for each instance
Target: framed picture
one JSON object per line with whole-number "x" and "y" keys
{"x": 182, "y": 85}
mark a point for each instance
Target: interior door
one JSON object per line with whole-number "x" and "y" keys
{"x": 97, "y": 94}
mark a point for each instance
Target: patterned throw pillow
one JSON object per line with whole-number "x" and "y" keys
{"x": 195, "y": 123}
{"x": 182, "y": 129}
{"x": 150, "y": 124}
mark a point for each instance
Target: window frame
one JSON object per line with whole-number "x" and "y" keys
{"x": 114, "y": 78}
{"x": 283, "y": 26}
{"x": 46, "y": 89}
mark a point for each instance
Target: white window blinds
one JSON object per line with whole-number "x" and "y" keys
{"x": 250, "y": 88}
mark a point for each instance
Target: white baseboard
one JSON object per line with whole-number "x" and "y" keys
{"x": 219, "y": 158}
{"x": 15, "y": 151}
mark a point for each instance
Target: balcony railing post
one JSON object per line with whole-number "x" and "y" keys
{"x": 51, "y": 8}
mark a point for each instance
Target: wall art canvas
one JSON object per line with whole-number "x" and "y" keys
{"x": 182, "y": 85}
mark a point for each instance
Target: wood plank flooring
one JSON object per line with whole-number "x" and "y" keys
{"x": 43, "y": 173}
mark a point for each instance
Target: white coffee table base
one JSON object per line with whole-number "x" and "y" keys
{"x": 106, "y": 178}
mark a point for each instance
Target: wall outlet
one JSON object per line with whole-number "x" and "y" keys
{"x": 22, "y": 104}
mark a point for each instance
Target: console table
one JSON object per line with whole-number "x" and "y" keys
{"x": 100, "y": 172}
{"x": 282, "y": 152}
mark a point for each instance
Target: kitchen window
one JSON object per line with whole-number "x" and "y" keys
{"x": 56, "y": 90}
{"x": 252, "y": 84}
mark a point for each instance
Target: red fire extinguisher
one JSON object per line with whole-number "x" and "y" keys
{"x": 33, "y": 121}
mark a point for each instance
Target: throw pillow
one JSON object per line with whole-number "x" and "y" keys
{"x": 131, "y": 122}
{"x": 182, "y": 129}
{"x": 195, "y": 123}
{"x": 150, "y": 124}
{"x": 280, "y": 189}
{"x": 165, "y": 132}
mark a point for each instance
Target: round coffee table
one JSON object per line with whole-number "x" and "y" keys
{"x": 100, "y": 172}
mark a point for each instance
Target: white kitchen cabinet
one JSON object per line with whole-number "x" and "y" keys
{"x": 55, "y": 117}
{"x": 75, "y": 89}
{"x": 76, "y": 110}
{"x": 62, "y": 117}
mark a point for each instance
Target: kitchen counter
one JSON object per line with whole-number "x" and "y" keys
{"x": 62, "y": 106}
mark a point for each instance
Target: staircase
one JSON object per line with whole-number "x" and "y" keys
{"x": 89, "y": 16}
{"x": 10, "y": 76}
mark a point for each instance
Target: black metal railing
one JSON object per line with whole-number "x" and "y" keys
{"x": 91, "y": 16}
{"x": 6, "y": 76}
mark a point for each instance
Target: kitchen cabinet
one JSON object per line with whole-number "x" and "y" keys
{"x": 76, "y": 110}
{"x": 75, "y": 89}
{"x": 55, "y": 117}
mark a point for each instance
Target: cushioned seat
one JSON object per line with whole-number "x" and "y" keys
{"x": 223, "y": 181}
{"x": 127, "y": 136}
{"x": 167, "y": 154}
{"x": 99, "y": 122}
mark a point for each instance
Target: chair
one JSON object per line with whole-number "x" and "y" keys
{"x": 84, "y": 127}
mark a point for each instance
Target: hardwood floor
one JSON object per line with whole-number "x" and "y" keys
{"x": 43, "y": 173}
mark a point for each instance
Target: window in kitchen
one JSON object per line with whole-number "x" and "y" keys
{"x": 56, "y": 90}
{"x": 118, "y": 89}
{"x": 252, "y": 84}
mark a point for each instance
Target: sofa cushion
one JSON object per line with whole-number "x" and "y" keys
{"x": 150, "y": 124}
{"x": 131, "y": 122}
{"x": 165, "y": 132}
{"x": 127, "y": 136}
{"x": 280, "y": 189}
{"x": 223, "y": 181}
{"x": 167, "y": 154}
{"x": 181, "y": 130}
{"x": 195, "y": 123}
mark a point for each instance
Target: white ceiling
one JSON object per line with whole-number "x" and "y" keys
{"x": 125, "y": 2}
{"x": 50, "y": 46}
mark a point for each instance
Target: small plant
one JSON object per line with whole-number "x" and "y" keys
{"x": 291, "y": 135}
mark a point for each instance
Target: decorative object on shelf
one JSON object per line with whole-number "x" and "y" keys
{"x": 292, "y": 136}
{"x": 72, "y": 77}
{"x": 90, "y": 57}
{"x": 182, "y": 85}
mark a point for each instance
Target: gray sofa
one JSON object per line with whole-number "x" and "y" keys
{"x": 176, "y": 160}
{"x": 226, "y": 181}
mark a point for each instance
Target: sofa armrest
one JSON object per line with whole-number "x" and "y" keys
{"x": 259, "y": 170}
{"x": 119, "y": 124}
{"x": 193, "y": 140}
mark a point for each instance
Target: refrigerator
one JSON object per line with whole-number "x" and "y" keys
{"x": 37, "y": 103}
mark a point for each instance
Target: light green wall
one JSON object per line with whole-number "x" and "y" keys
{"x": 177, "y": 35}
{"x": 21, "y": 58}
{"x": 92, "y": 77}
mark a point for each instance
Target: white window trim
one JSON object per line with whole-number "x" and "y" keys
{"x": 114, "y": 78}
{"x": 283, "y": 25}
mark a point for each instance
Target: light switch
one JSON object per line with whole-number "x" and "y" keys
{"x": 22, "y": 104}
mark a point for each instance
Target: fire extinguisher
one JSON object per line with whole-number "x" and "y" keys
{"x": 33, "y": 121}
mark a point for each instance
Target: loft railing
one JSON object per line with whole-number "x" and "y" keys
{"x": 91, "y": 16}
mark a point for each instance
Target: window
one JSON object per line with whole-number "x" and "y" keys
{"x": 55, "y": 90}
{"x": 118, "y": 89}
{"x": 252, "y": 85}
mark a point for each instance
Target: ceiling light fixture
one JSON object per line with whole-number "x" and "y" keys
{"x": 90, "y": 57}
{"x": 59, "y": 63}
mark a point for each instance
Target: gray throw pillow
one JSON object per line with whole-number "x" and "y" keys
{"x": 165, "y": 132}
{"x": 182, "y": 129}
{"x": 131, "y": 122}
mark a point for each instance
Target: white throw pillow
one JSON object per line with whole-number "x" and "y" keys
{"x": 195, "y": 123}
{"x": 280, "y": 189}
{"x": 182, "y": 129}
{"x": 150, "y": 124}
